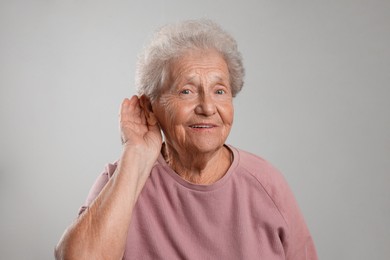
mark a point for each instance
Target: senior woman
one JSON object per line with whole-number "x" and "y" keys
{"x": 185, "y": 194}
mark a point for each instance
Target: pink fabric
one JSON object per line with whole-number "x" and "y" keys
{"x": 248, "y": 214}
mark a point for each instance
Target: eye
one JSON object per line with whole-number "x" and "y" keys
{"x": 220, "y": 92}
{"x": 185, "y": 91}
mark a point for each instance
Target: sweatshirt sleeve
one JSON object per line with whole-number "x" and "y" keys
{"x": 298, "y": 243}
{"x": 98, "y": 186}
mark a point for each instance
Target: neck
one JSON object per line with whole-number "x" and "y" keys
{"x": 199, "y": 168}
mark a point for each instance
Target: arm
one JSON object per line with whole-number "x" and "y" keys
{"x": 298, "y": 243}
{"x": 101, "y": 231}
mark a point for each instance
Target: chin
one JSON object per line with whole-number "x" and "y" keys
{"x": 206, "y": 147}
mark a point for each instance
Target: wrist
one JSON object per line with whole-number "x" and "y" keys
{"x": 137, "y": 159}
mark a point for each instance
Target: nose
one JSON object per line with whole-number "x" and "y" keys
{"x": 206, "y": 105}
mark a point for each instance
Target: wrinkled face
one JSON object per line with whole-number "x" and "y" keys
{"x": 195, "y": 108}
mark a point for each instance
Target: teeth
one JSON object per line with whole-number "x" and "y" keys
{"x": 201, "y": 126}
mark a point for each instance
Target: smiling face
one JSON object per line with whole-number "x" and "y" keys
{"x": 195, "y": 109}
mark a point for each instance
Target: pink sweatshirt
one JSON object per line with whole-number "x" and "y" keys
{"x": 248, "y": 214}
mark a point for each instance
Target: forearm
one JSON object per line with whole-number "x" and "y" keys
{"x": 100, "y": 232}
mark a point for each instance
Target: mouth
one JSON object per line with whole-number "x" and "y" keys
{"x": 202, "y": 126}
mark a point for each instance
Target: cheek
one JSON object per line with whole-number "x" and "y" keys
{"x": 169, "y": 112}
{"x": 167, "y": 104}
{"x": 177, "y": 110}
{"x": 227, "y": 113}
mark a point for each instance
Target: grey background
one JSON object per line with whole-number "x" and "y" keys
{"x": 315, "y": 104}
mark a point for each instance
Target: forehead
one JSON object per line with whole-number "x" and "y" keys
{"x": 195, "y": 63}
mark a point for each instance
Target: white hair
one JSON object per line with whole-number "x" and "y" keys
{"x": 172, "y": 41}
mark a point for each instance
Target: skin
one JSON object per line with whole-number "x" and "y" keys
{"x": 195, "y": 113}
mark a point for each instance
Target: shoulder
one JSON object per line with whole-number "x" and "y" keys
{"x": 297, "y": 241}
{"x": 270, "y": 179}
{"x": 259, "y": 168}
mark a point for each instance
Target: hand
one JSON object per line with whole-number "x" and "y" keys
{"x": 138, "y": 131}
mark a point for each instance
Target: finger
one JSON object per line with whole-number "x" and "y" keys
{"x": 123, "y": 115}
{"x": 130, "y": 110}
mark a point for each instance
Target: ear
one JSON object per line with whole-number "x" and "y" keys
{"x": 146, "y": 106}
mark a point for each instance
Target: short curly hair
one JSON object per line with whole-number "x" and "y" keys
{"x": 172, "y": 41}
